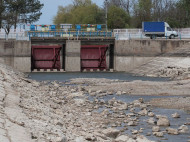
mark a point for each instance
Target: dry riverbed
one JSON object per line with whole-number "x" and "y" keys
{"x": 75, "y": 111}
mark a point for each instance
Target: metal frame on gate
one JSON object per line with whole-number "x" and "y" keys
{"x": 100, "y": 60}
{"x": 55, "y": 59}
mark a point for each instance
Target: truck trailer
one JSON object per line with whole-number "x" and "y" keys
{"x": 158, "y": 29}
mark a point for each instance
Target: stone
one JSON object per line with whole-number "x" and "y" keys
{"x": 141, "y": 100}
{"x": 80, "y": 139}
{"x": 151, "y": 114}
{"x": 110, "y": 132}
{"x": 79, "y": 102}
{"x": 142, "y": 139}
{"x": 119, "y": 93}
{"x": 134, "y": 132}
{"x": 155, "y": 129}
{"x": 163, "y": 121}
{"x": 158, "y": 134}
{"x": 123, "y": 107}
{"x": 148, "y": 134}
{"x": 151, "y": 121}
{"x": 132, "y": 123}
{"x": 136, "y": 103}
{"x": 176, "y": 115}
{"x": 122, "y": 138}
{"x": 189, "y": 69}
{"x": 131, "y": 140}
{"x": 183, "y": 129}
{"x": 172, "y": 131}
{"x": 90, "y": 137}
{"x": 61, "y": 139}
{"x": 143, "y": 106}
{"x": 143, "y": 112}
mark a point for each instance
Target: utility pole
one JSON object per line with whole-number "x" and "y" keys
{"x": 106, "y": 3}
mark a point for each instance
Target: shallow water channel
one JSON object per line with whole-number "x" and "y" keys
{"x": 175, "y": 123}
{"x": 68, "y": 76}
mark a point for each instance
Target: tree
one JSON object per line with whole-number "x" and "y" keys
{"x": 81, "y": 12}
{"x": 22, "y": 11}
{"x": 124, "y": 4}
{"x": 142, "y": 12}
{"x": 7, "y": 17}
{"x": 7, "y": 22}
{"x": 184, "y": 10}
{"x": 1, "y": 11}
{"x": 82, "y": 3}
{"x": 117, "y": 18}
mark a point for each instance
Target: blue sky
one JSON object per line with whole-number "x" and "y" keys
{"x": 51, "y": 6}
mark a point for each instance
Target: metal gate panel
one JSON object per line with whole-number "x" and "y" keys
{"x": 93, "y": 56}
{"x": 46, "y": 57}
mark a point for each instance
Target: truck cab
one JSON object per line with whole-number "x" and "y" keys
{"x": 169, "y": 32}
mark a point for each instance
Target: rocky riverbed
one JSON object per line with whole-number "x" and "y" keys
{"x": 76, "y": 111}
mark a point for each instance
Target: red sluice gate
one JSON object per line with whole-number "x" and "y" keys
{"x": 93, "y": 57}
{"x": 46, "y": 57}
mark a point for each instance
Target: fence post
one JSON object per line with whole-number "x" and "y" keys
{"x": 129, "y": 36}
{"x": 29, "y": 35}
{"x": 141, "y": 35}
{"x": 117, "y": 36}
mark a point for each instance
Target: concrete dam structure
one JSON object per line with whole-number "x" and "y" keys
{"x": 87, "y": 54}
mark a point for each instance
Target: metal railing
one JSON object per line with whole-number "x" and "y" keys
{"x": 68, "y": 34}
{"x": 127, "y": 34}
{"x": 14, "y": 36}
{"x": 119, "y": 34}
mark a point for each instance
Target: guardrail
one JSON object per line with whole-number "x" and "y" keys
{"x": 127, "y": 34}
{"x": 119, "y": 34}
{"x": 68, "y": 34}
{"x": 14, "y": 36}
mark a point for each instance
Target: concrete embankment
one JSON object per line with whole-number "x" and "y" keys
{"x": 11, "y": 115}
{"x": 163, "y": 58}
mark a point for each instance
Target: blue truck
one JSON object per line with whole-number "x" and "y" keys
{"x": 158, "y": 29}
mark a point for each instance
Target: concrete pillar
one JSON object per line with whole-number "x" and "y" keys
{"x": 16, "y": 54}
{"x": 22, "y": 56}
{"x": 73, "y": 60}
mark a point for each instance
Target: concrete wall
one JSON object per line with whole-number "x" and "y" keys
{"x": 16, "y": 54}
{"x": 130, "y": 54}
{"x": 72, "y": 59}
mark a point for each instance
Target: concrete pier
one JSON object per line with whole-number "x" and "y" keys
{"x": 16, "y": 54}
{"x": 73, "y": 63}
